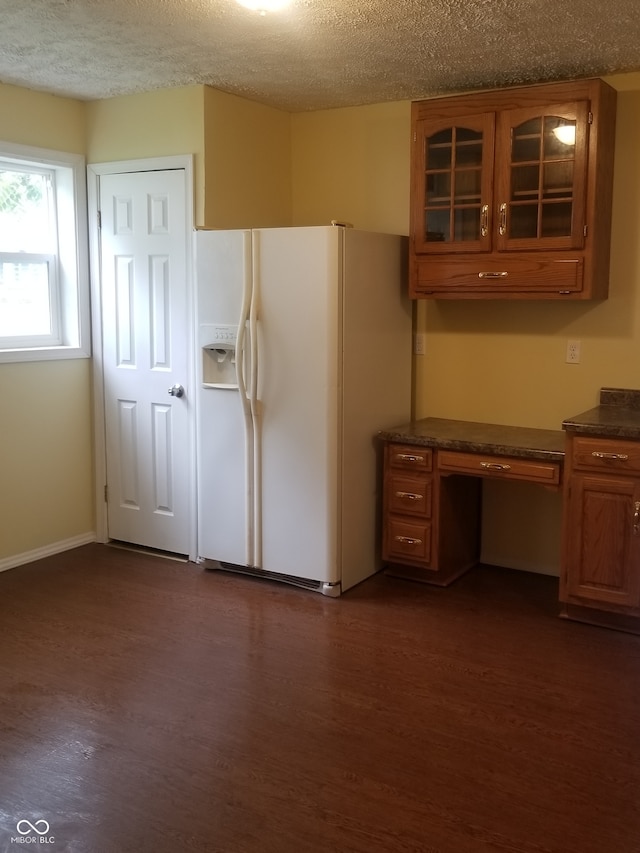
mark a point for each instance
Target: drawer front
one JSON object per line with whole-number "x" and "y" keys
{"x": 491, "y": 273}
{"x": 499, "y": 467}
{"x": 409, "y": 495}
{"x": 408, "y": 541}
{"x": 606, "y": 454}
{"x": 405, "y": 457}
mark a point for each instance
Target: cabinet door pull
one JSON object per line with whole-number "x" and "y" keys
{"x": 408, "y": 540}
{"x": 620, "y": 457}
{"x": 502, "y": 228}
{"x": 410, "y": 496}
{"x": 495, "y": 466}
{"x": 408, "y": 457}
{"x": 493, "y": 274}
{"x": 484, "y": 220}
{"x": 636, "y": 518}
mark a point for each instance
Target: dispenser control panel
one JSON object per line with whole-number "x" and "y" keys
{"x": 225, "y": 335}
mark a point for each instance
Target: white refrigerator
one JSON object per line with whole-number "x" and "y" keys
{"x": 304, "y": 353}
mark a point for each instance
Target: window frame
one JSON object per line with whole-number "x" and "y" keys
{"x": 71, "y": 274}
{"x": 54, "y": 339}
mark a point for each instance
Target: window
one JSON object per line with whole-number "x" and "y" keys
{"x": 44, "y": 304}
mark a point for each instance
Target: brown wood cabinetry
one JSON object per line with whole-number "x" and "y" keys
{"x": 480, "y": 465}
{"x": 600, "y": 577}
{"x": 511, "y": 193}
{"x": 422, "y": 535}
{"x": 408, "y": 490}
{"x": 432, "y": 496}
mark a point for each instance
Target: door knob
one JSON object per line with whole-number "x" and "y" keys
{"x": 176, "y": 390}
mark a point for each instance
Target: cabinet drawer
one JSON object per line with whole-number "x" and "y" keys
{"x": 409, "y": 495}
{"x": 408, "y": 540}
{"x": 493, "y": 273}
{"x": 606, "y": 454}
{"x": 500, "y": 467}
{"x": 406, "y": 457}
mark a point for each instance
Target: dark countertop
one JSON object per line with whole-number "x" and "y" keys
{"x": 470, "y": 437}
{"x": 617, "y": 416}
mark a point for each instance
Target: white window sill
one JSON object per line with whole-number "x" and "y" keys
{"x": 42, "y": 354}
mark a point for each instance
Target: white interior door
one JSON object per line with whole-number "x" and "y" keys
{"x": 146, "y": 344}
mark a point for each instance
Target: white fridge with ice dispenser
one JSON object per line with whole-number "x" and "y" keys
{"x": 303, "y": 354}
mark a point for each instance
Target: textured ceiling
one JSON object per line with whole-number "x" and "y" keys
{"x": 318, "y": 53}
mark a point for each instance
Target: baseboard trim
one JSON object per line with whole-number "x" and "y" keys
{"x": 518, "y": 565}
{"x": 46, "y": 551}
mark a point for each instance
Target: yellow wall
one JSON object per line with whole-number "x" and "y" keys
{"x": 44, "y": 121}
{"x": 248, "y": 163}
{"x": 500, "y": 362}
{"x": 45, "y": 427}
{"x": 242, "y": 149}
{"x": 352, "y": 164}
{"x": 154, "y": 124}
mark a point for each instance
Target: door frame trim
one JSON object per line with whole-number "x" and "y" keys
{"x": 94, "y": 172}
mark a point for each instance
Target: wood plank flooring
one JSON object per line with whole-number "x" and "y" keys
{"x": 148, "y": 706}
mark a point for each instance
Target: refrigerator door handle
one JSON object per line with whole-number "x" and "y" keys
{"x": 255, "y": 403}
{"x": 241, "y": 360}
{"x": 242, "y": 323}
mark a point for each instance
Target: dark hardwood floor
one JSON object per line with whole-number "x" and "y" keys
{"x": 148, "y": 706}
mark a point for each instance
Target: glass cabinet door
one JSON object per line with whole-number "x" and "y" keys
{"x": 540, "y": 177}
{"x": 452, "y": 191}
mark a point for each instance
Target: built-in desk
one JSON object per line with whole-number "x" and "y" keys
{"x": 433, "y": 471}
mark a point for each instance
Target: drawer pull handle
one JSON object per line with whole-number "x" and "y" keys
{"x": 408, "y": 457}
{"x": 636, "y": 518}
{"x": 620, "y": 457}
{"x": 495, "y": 466}
{"x": 495, "y": 274}
{"x": 410, "y": 496}
{"x": 408, "y": 540}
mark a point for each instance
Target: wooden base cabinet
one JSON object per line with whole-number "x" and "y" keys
{"x": 422, "y": 535}
{"x": 600, "y": 577}
{"x": 408, "y": 484}
{"x": 432, "y": 495}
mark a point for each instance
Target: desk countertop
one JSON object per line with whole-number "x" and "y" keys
{"x": 618, "y": 416}
{"x": 471, "y": 437}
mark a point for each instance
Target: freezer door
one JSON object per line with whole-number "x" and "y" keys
{"x": 299, "y": 295}
{"x": 225, "y": 497}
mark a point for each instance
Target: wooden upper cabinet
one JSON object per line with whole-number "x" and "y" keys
{"x": 511, "y": 193}
{"x": 541, "y": 187}
{"x": 453, "y": 185}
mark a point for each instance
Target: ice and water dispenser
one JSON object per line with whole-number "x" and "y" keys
{"x": 218, "y": 352}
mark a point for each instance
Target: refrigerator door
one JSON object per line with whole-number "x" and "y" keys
{"x": 225, "y": 493}
{"x": 297, "y": 284}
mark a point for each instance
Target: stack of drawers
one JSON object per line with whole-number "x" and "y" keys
{"x": 408, "y": 490}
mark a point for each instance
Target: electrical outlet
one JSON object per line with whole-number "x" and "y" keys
{"x": 419, "y": 343}
{"x": 573, "y": 352}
